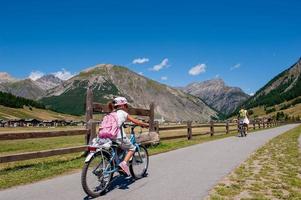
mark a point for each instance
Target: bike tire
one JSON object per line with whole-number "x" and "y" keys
{"x": 137, "y": 173}
{"x": 89, "y": 190}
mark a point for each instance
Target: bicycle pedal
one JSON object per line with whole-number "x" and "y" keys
{"x": 122, "y": 173}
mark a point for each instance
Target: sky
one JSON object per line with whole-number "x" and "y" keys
{"x": 246, "y": 43}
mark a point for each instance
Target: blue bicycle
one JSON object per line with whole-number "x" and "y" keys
{"x": 103, "y": 160}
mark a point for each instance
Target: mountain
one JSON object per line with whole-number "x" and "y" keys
{"x": 108, "y": 81}
{"x": 217, "y": 94}
{"x": 5, "y": 77}
{"x": 23, "y": 88}
{"x": 48, "y": 82}
{"x": 284, "y": 87}
{"x": 28, "y": 88}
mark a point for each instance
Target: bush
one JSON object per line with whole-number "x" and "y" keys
{"x": 296, "y": 101}
{"x": 280, "y": 115}
{"x": 250, "y": 112}
{"x": 285, "y": 106}
{"x": 267, "y": 111}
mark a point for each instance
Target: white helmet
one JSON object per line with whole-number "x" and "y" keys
{"x": 118, "y": 101}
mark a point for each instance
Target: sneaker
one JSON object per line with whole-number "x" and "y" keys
{"x": 125, "y": 168}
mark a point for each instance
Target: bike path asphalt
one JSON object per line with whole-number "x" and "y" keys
{"x": 184, "y": 174}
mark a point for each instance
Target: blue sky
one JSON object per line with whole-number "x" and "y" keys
{"x": 244, "y": 42}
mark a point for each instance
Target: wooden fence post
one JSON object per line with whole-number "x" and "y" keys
{"x": 227, "y": 127}
{"x": 211, "y": 128}
{"x": 152, "y": 117}
{"x": 263, "y": 124}
{"x": 254, "y": 124}
{"x": 156, "y": 125}
{"x": 89, "y": 113}
{"x": 259, "y": 124}
{"x": 92, "y": 130}
{"x": 189, "y": 130}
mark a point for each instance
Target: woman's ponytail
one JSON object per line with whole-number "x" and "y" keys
{"x": 110, "y": 105}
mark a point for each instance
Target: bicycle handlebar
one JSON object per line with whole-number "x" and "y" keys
{"x": 127, "y": 124}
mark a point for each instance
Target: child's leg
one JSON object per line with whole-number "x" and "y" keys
{"x": 127, "y": 145}
{"x": 128, "y": 156}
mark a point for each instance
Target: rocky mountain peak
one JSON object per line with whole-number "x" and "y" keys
{"x": 217, "y": 94}
{"x": 97, "y": 67}
{"x": 5, "y": 77}
{"x": 48, "y": 82}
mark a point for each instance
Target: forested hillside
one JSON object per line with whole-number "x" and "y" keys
{"x": 9, "y": 100}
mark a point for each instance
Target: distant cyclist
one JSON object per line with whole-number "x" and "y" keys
{"x": 243, "y": 117}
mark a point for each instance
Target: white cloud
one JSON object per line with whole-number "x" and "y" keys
{"x": 161, "y": 65}
{"x": 217, "y": 76}
{"x": 140, "y": 60}
{"x": 251, "y": 94}
{"x": 63, "y": 74}
{"x": 35, "y": 75}
{"x": 198, "y": 69}
{"x": 164, "y": 78}
{"x": 236, "y": 66}
{"x": 140, "y": 73}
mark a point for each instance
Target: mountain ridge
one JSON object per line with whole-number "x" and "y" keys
{"x": 283, "y": 87}
{"x": 28, "y": 88}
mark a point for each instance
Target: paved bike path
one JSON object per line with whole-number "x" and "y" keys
{"x": 184, "y": 174}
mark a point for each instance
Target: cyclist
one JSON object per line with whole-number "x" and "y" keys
{"x": 120, "y": 106}
{"x": 243, "y": 116}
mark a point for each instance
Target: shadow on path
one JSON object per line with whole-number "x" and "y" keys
{"x": 118, "y": 182}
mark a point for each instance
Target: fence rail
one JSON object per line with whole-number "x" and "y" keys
{"x": 41, "y": 134}
{"x": 41, "y": 154}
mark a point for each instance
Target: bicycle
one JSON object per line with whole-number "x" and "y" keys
{"x": 102, "y": 162}
{"x": 242, "y": 129}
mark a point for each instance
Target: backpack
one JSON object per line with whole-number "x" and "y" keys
{"x": 109, "y": 126}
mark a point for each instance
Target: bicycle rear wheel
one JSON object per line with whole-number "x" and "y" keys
{"x": 139, "y": 163}
{"x": 94, "y": 179}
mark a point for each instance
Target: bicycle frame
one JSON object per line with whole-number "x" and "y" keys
{"x": 115, "y": 160}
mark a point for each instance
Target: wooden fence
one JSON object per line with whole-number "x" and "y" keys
{"x": 90, "y": 131}
{"x": 211, "y": 130}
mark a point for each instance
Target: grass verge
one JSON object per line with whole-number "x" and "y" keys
{"x": 272, "y": 172}
{"x": 23, "y": 172}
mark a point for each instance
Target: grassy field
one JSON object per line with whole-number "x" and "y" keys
{"x": 39, "y": 169}
{"x": 33, "y": 113}
{"x": 272, "y": 172}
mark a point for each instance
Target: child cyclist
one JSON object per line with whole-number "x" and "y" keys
{"x": 120, "y": 106}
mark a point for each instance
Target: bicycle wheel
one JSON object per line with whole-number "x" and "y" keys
{"x": 139, "y": 163}
{"x": 245, "y": 131}
{"x": 94, "y": 180}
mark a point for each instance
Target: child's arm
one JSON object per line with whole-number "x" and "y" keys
{"x": 136, "y": 121}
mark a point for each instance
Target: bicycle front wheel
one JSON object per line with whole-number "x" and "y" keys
{"x": 94, "y": 178}
{"x": 139, "y": 163}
